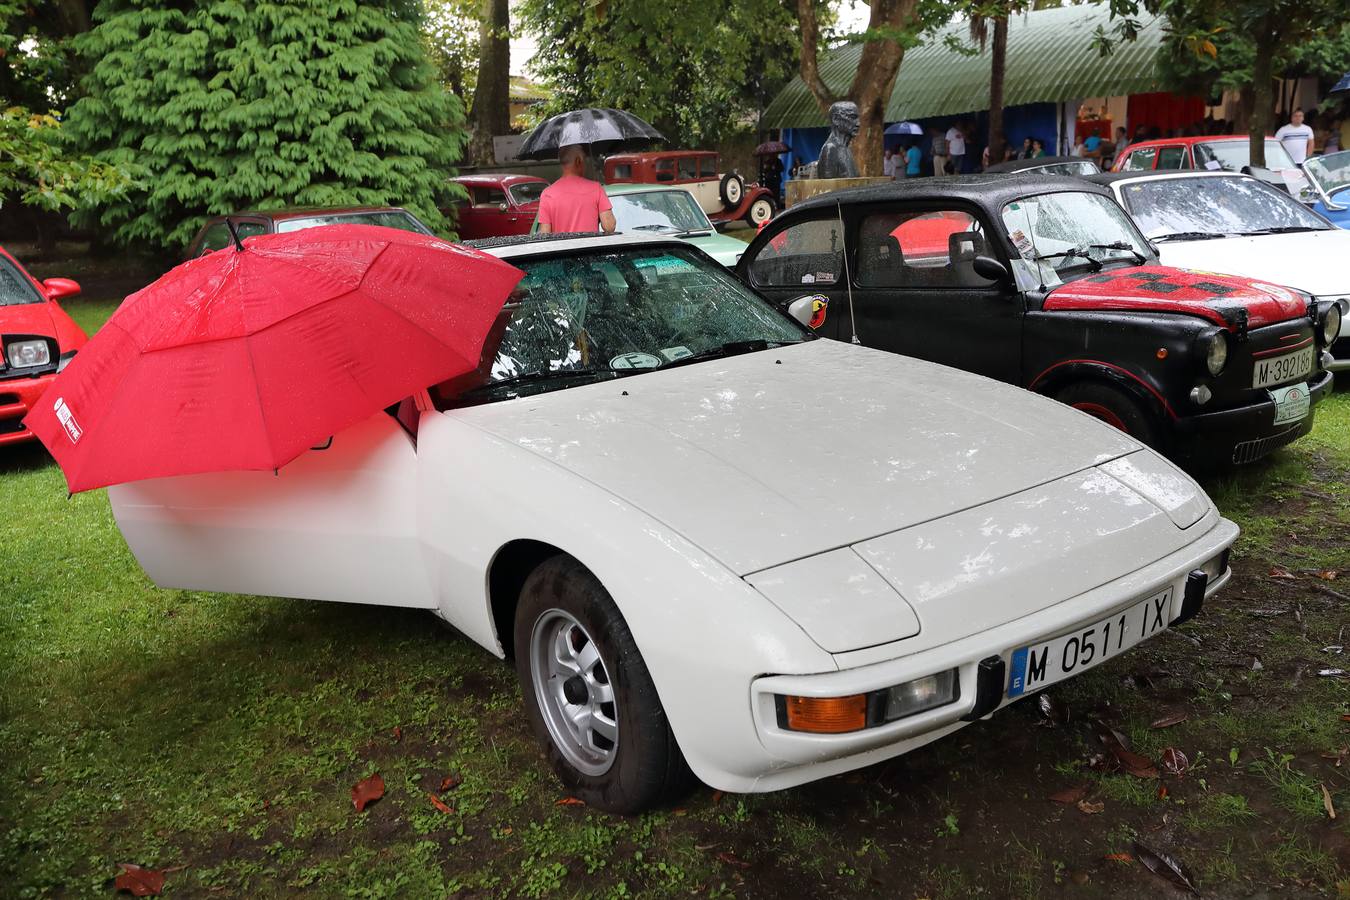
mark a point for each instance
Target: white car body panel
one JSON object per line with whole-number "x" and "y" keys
{"x": 959, "y": 517}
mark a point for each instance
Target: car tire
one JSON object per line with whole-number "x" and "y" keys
{"x": 1113, "y": 406}
{"x": 760, "y": 211}
{"x": 732, "y": 190}
{"x": 566, "y": 614}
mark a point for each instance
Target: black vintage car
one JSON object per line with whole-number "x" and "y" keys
{"x": 1046, "y": 165}
{"x": 1044, "y": 281}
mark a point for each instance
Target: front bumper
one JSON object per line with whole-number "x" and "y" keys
{"x": 1247, "y": 433}
{"x": 794, "y": 757}
{"x": 17, "y": 397}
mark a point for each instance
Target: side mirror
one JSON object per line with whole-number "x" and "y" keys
{"x": 56, "y": 288}
{"x": 502, "y": 207}
{"x": 989, "y": 268}
{"x": 809, "y": 310}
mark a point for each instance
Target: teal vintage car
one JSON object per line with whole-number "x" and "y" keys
{"x": 662, "y": 209}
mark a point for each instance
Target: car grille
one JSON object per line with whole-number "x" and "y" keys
{"x": 1251, "y": 451}
{"x": 11, "y": 426}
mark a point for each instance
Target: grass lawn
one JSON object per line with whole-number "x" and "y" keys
{"x": 219, "y": 736}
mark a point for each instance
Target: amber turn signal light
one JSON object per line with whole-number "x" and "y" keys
{"x": 826, "y": 715}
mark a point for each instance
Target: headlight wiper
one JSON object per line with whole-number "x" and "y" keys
{"x": 731, "y": 348}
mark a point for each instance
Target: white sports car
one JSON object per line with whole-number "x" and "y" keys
{"x": 709, "y": 541}
{"x": 1236, "y": 225}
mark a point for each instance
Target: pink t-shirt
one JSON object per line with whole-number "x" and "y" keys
{"x": 573, "y": 203}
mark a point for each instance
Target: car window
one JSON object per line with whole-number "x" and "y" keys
{"x": 1172, "y": 158}
{"x": 622, "y": 171}
{"x": 486, "y": 197}
{"x": 1063, "y": 234}
{"x": 662, "y": 211}
{"x": 1178, "y": 208}
{"x": 707, "y": 167}
{"x": 14, "y": 288}
{"x": 665, "y": 170}
{"x": 403, "y": 221}
{"x": 218, "y": 235}
{"x": 1232, "y": 156}
{"x": 527, "y": 192}
{"x": 1140, "y": 159}
{"x": 807, "y": 253}
{"x": 688, "y": 167}
{"x": 927, "y": 249}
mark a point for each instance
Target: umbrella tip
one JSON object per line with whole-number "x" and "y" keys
{"x": 234, "y": 233}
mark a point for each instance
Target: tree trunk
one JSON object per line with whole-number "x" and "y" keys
{"x": 806, "y": 18}
{"x": 997, "y": 71}
{"x": 1263, "y": 101}
{"x": 491, "y": 96}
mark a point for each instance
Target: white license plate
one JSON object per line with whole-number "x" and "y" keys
{"x": 1291, "y": 403}
{"x": 1287, "y": 367}
{"x": 1038, "y": 665}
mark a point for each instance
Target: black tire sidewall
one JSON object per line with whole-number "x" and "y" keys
{"x": 727, "y": 181}
{"x": 1139, "y": 424}
{"x": 750, "y": 213}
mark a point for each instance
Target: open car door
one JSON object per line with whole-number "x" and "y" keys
{"x": 338, "y": 523}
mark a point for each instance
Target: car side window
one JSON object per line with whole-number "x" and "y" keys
{"x": 1140, "y": 159}
{"x": 665, "y": 170}
{"x": 216, "y": 236}
{"x": 920, "y": 250}
{"x": 807, "y": 253}
{"x": 623, "y": 170}
{"x": 707, "y": 167}
{"x": 1172, "y": 158}
{"x": 488, "y": 197}
{"x": 688, "y": 168}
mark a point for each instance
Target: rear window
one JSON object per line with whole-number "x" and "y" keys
{"x": 401, "y": 220}
{"x": 15, "y": 289}
{"x": 1231, "y": 156}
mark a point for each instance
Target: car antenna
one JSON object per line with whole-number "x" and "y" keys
{"x": 848, "y": 280}
{"x": 234, "y": 233}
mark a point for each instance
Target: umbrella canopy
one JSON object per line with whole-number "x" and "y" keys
{"x": 771, "y": 148}
{"x": 1342, "y": 86}
{"x": 245, "y": 358}
{"x": 605, "y": 130}
{"x": 904, "y": 128}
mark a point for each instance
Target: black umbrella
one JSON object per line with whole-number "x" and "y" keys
{"x": 772, "y": 148}
{"x": 604, "y": 130}
{"x": 1342, "y": 86}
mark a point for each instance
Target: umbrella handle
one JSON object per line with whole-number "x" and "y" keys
{"x": 234, "y": 233}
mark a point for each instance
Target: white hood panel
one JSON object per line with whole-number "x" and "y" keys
{"x": 1312, "y": 261}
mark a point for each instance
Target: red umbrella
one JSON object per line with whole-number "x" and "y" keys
{"x": 245, "y": 358}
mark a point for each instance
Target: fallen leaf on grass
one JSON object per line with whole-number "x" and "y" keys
{"x": 1345, "y": 717}
{"x": 1090, "y": 808}
{"x": 141, "y": 882}
{"x": 1167, "y": 721}
{"x": 439, "y": 803}
{"x": 1283, "y": 574}
{"x": 398, "y": 733}
{"x": 1165, "y": 866}
{"x": 732, "y": 859}
{"x": 1331, "y": 673}
{"x": 1327, "y": 574}
{"x": 1174, "y": 761}
{"x": 367, "y": 791}
{"x": 1070, "y": 796}
{"x": 448, "y": 782}
{"x": 1054, "y": 711}
{"x": 1136, "y": 765}
{"x": 717, "y": 797}
{"x": 1119, "y": 857}
{"x": 1338, "y": 755}
{"x": 1162, "y": 792}
{"x": 569, "y": 801}
{"x": 1326, "y": 802}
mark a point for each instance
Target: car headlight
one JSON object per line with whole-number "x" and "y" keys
{"x": 1331, "y": 324}
{"x": 1215, "y": 347}
{"x": 27, "y": 354}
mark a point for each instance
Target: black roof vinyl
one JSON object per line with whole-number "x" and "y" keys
{"x": 989, "y": 191}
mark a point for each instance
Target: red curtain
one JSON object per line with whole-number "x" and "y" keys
{"x": 1163, "y": 111}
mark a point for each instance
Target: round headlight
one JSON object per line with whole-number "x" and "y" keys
{"x": 1216, "y": 354}
{"x": 1331, "y": 324}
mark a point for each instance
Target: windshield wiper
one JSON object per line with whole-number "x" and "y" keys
{"x": 1121, "y": 245}
{"x": 697, "y": 232}
{"x": 660, "y": 228}
{"x": 541, "y": 377}
{"x": 1079, "y": 252}
{"x": 731, "y": 348}
{"x": 1188, "y": 236}
{"x": 1282, "y": 229}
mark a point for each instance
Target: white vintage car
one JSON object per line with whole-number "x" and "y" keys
{"x": 709, "y": 541}
{"x": 1236, "y": 225}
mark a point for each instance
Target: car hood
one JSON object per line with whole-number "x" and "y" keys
{"x": 27, "y": 318}
{"x": 774, "y": 456}
{"x": 1312, "y": 261}
{"x": 1218, "y": 298}
{"x": 726, "y": 250}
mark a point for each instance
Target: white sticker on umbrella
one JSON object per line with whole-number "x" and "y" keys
{"x": 67, "y": 420}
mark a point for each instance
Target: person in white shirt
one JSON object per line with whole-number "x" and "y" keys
{"x": 1297, "y": 138}
{"x": 956, "y": 148}
{"x": 888, "y": 163}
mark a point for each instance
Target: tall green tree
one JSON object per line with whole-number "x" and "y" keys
{"x": 226, "y": 104}
{"x": 699, "y": 70}
{"x": 450, "y": 31}
{"x": 491, "y": 111}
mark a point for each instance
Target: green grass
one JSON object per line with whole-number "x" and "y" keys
{"x": 223, "y": 733}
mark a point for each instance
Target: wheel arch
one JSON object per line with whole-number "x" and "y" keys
{"x": 1059, "y": 376}
{"x": 510, "y": 566}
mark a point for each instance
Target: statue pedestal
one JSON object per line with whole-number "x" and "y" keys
{"x": 799, "y": 189}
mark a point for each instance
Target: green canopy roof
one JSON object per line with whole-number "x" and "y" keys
{"x": 1050, "y": 59}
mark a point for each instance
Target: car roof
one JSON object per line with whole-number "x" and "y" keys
{"x": 989, "y": 191}
{"x": 560, "y": 242}
{"x": 1109, "y": 178}
{"x": 1193, "y": 139}
{"x": 1017, "y": 165}
{"x": 656, "y": 154}
{"x": 498, "y": 178}
{"x": 301, "y": 212}
{"x": 638, "y": 187}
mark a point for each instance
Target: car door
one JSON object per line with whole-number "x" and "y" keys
{"x": 804, "y": 258}
{"x": 1140, "y": 160}
{"x": 916, "y": 291}
{"x": 338, "y": 523}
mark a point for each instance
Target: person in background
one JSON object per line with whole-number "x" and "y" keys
{"x": 1037, "y": 148}
{"x": 1025, "y": 152}
{"x": 956, "y": 148}
{"x": 574, "y": 202}
{"x": 1092, "y": 145}
{"x": 888, "y": 163}
{"x": 1079, "y": 148}
{"x": 913, "y": 159}
{"x": 940, "y": 151}
{"x": 984, "y": 158}
{"x": 1297, "y": 138}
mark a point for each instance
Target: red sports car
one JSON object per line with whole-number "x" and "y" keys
{"x": 37, "y": 340}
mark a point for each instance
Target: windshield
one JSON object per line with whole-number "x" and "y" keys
{"x": 529, "y": 192}
{"x": 663, "y": 212}
{"x": 585, "y": 317}
{"x": 1066, "y": 233}
{"x": 1330, "y": 173}
{"x": 1187, "y": 208}
{"x": 1077, "y": 167}
{"x": 401, "y": 220}
{"x": 1233, "y": 155}
{"x": 15, "y": 290}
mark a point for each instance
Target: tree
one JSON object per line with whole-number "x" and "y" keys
{"x": 36, "y": 64}
{"x": 227, "y": 104}
{"x": 451, "y": 35}
{"x": 491, "y": 97}
{"x": 699, "y": 70}
{"x": 37, "y": 169}
{"x": 996, "y": 12}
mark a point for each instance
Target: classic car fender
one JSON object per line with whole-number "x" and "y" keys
{"x": 1071, "y": 371}
{"x": 704, "y": 633}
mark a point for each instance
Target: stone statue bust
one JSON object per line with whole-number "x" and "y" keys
{"x": 836, "y": 160}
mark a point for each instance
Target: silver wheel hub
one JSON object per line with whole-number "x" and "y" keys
{"x": 574, "y": 692}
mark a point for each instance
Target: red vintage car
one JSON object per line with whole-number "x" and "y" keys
{"x": 498, "y": 205}
{"x": 1227, "y": 153}
{"x": 37, "y": 340}
{"x": 215, "y": 232}
{"x": 725, "y": 197}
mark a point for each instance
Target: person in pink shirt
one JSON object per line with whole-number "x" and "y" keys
{"x": 574, "y": 202}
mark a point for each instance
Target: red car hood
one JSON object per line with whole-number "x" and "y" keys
{"x": 1218, "y": 298}
{"x": 27, "y": 318}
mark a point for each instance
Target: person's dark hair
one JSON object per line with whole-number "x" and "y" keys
{"x": 1297, "y": 109}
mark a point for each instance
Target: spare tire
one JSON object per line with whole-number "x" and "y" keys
{"x": 732, "y": 190}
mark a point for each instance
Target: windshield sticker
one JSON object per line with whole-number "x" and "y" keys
{"x": 674, "y": 353}
{"x": 808, "y": 278}
{"x": 1213, "y": 165}
{"x": 820, "y": 305}
{"x": 635, "y": 361}
{"x": 1022, "y": 242}
{"x": 67, "y": 420}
